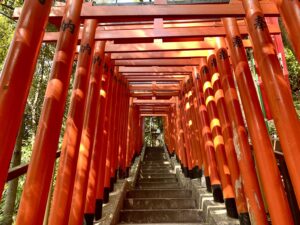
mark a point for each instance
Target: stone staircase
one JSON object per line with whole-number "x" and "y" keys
{"x": 158, "y": 197}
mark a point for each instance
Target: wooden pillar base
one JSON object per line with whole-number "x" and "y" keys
{"x": 106, "y": 195}
{"x": 231, "y": 208}
{"x": 127, "y": 172}
{"x": 196, "y": 172}
{"x": 116, "y": 176}
{"x": 208, "y": 184}
{"x": 89, "y": 219}
{"x": 244, "y": 219}
{"x": 112, "y": 184}
{"x": 98, "y": 209}
{"x": 217, "y": 193}
{"x": 185, "y": 171}
{"x": 121, "y": 174}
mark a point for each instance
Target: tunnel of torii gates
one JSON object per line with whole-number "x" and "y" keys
{"x": 186, "y": 63}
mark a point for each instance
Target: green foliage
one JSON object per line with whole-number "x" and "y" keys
{"x": 36, "y": 94}
{"x": 153, "y": 131}
{"x": 6, "y": 34}
{"x": 294, "y": 72}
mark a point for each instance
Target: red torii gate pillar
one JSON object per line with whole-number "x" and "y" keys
{"x": 218, "y": 140}
{"x": 66, "y": 174}
{"x": 263, "y": 150}
{"x": 101, "y": 140}
{"x": 187, "y": 132}
{"x": 213, "y": 182}
{"x": 35, "y": 193}
{"x": 86, "y": 143}
{"x": 179, "y": 139}
{"x": 123, "y": 131}
{"x": 129, "y": 136}
{"x": 108, "y": 182}
{"x": 17, "y": 76}
{"x": 290, "y": 13}
{"x": 228, "y": 140}
{"x": 277, "y": 90}
{"x": 197, "y": 170}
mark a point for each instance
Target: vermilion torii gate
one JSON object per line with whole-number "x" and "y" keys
{"x": 174, "y": 61}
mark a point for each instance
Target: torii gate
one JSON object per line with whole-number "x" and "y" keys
{"x": 152, "y": 60}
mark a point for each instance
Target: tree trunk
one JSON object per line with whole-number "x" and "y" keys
{"x": 10, "y": 199}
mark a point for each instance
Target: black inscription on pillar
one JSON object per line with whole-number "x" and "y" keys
{"x": 97, "y": 59}
{"x": 111, "y": 71}
{"x": 205, "y": 70}
{"x": 197, "y": 76}
{"x": 42, "y": 2}
{"x": 237, "y": 42}
{"x": 260, "y": 23}
{"x": 68, "y": 25}
{"x": 223, "y": 54}
{"x": 214, "y": 62}
{"x": 87, "y": 48}
{"x": 105, "y": 68}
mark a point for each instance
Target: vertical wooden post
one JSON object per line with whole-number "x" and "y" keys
{"x": 113, "y": 133}
{"x": 290, "y": 13}
{"x": 124, "y": 132}
{"x": 91, "y": 113}
{"x": 218, "y": 140}
{"x": 108, "y": 185}
{"x": 189, "y": 132}
{"x": 263, "y": 150}
{"x": 129, "y": 135}
{"x": 95, "y": 173}
{"x": 278, "y": 44}
{"x": 34, "y": 196}
{"x": 120, "y": 130}
{"x": 17, "y": 74}
{"x": 185, "y": 133}
{"x": 199, "y": 134}
{"x": 67, "y": 168}
{"x": 277, "y": 90}
{"x": 101, "y": 136}
{"x": 197, "y": 172}
{"x": 213, "y": 181}
{"x": 180, "y": 139}
{"x": 228, "y": 138}
{"x": 116, "y": 132}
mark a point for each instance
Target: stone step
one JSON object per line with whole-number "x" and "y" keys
{"x": 164, "y": 223}
{"x": 156, "y": 185}
{"x": 156, "y": 166}
{"x": 159, "y": 180}
{"x": 155, "y": 153}
{"x": 168, "y": 168}
{"x": 156, "y": 171}
{"x": 153, "y": 193}
{"x": 154, "y": 162}
{"x": 156, "y": 157}
{"x": 162, "y": 216}
{"x": 158, "y": 203}
{"x": 157, "y": 175}
{"x": 161, "y": 174}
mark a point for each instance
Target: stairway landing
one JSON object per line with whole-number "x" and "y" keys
{"x": 157, "y": 197}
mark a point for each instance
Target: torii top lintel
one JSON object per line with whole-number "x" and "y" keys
{"x": 149, "y": 12}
